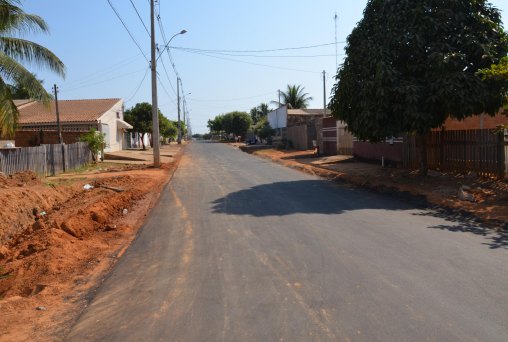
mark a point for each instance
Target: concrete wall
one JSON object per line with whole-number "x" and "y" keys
{"x": 392, "y": 153}
{"x": 109, "y": 126}
{"x": 278, "y": 118}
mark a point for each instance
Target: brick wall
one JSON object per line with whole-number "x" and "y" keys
{"x": 474, "y": 122}
{"x": 36, "y": 138}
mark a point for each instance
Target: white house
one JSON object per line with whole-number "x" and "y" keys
{"x": 104, "y": 115}
{"x": 284, "y": 117}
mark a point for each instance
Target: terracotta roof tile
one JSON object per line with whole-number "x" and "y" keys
{"x": 70, "y": 111}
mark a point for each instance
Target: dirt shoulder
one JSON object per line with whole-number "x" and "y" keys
{"x": 469, "y": 196}
{"x": 50, "y": 266}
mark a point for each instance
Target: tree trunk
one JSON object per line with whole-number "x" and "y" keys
{"x": 421, "y": 144}
{"x": 143, "y": 141}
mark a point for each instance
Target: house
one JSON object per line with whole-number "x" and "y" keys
{"x": 299, "y": 126}
{"x": 284, "y": 117}
{"x": 37, "y": 123}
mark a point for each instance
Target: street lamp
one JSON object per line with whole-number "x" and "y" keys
{"x": 170, "y": 39}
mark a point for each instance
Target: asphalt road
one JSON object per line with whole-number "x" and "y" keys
{"x": 241, "y": 249}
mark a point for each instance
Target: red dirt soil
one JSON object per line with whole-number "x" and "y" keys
{"x": 52, "y": 265}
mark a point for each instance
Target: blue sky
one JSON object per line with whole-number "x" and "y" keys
{"x": 102, "y": 60}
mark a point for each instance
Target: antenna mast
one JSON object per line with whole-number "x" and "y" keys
{"x": 336, "y": 49}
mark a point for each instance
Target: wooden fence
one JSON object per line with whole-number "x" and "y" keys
{"x": 479, "y": 151}
{"x": 45, "y": 160}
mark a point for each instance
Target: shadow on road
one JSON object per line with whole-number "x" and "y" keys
{"x": 464, "y": 223}
{"x": 304, "y": 197}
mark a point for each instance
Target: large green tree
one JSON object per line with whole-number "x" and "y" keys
{"x": 215, "y": 124}
{"x": 263, "y": 129}
{"x": 168, "y": 128}
{"x": 412, "y": 64}
{"x": 295, "y": 97}
{"x": 259, "y": 112}
{"x": 140, "y": 117}
{"x": 236, "y": 123}
{"x": 497, "y": 73}
{"x": 14, "y": 52}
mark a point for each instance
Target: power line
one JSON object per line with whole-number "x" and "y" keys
{"x": 167, "y": 75}
{"x": 141, "y": 19}
{"x": 231, "y": 100}
{"x": 251, "y": 55}
{"x": 100, "y": 82}
{"x": 125, "y": 26}
{"x": 164, "y": 88}
{"x": 258, "y": 51}
{"x": 139, "y": 86}
{"x": 102, "y": 72}
{"x": 251, "y": 63}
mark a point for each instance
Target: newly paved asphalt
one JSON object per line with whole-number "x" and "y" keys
{"x": 241, "y": 249}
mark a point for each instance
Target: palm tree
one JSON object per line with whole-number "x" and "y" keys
{"x": 15, "y": 51}
{"x": 295, "y": 97}
{"x": 259, "y": 112}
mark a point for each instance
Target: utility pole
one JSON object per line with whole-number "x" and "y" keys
{"x": 324, "y": 93}
{"x": 185, "y": 118}
{"x": 178, "y": 107}
{"x": 155, "y": 111}
{"x": 59, "y": 128}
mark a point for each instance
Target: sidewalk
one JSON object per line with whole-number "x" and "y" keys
{"x": 143, "y": 157}
{"x": 487, "y": 199}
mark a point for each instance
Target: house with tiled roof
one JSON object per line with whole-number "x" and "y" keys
{"x": 76, "y": 117}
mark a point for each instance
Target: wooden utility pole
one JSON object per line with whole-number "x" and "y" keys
{"x": 179, "y": 139}
{"x": 155, "y": 112}
{"x": 324, "y": 93}
{"x": 58, "y": 127}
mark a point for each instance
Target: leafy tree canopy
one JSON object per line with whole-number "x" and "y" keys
{"x": 215, "y": 124}
{"x": 263, "y": 129}
{"x": 140, "y": 117}
{"x": 498, "y": 73}
{"x": 96, "y": 142}
{"x": 236, "y": 123}
{"x": 168, "y": 128}
{"x": 412, "y": 64}
{"x": 259, "y": 112}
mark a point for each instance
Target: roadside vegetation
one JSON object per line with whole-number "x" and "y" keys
{"x": 411, "y": 65}
{"x": 17, "y": 52}
{"x": 140, "y": 117}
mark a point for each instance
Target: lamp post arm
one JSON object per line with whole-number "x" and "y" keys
{"x": 170, "y": 39}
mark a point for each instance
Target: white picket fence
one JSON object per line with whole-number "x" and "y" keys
{"x": 45, "y": 160}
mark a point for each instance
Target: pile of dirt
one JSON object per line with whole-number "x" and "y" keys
{"x": 58, "y": 237}
{"x": 18, "y": 179}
